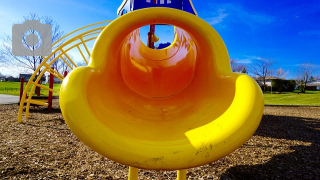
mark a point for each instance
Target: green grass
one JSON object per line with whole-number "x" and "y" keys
{"x": 13, "y": 88}
{"x": 311, "y": 98}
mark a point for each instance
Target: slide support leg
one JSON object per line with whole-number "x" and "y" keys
{"x": 133, "y": 173}
{"x": 182, "y": 174}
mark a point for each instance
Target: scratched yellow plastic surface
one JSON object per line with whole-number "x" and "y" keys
{"x": 174, "y": 108}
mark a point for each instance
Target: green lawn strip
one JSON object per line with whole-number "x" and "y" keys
{"x": 13, "y": 88}
{"x": 311, "y": 98}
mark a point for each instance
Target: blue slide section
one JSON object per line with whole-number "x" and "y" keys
{"x": 131, "y": 5}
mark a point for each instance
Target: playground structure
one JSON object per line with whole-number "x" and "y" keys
{"x": 47, "y": 99}
{"x": 74, "y": 40}
{"x": 159, "y": 109}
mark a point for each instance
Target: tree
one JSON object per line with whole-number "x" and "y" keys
{"x": 2, "y": 57}
{"x": 244, "y": 71}
{"x": 304, "y": 72}
{"x": 3, "y": 62}
{"x": 236, "y": 66}
{"x": 30, "y": 62}
{"x": 262, "y": 67}
{"x": 311, "y": 78}
{"x": 281, "y": 74}
{"x": 60, "y": 66}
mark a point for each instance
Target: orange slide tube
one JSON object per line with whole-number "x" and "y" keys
{"x": 168, "y": 109}
{"x": 158, "y": 72}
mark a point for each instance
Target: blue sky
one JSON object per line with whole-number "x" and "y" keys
{"x": 287, "y": 30}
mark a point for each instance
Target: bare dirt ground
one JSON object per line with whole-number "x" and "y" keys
{"x": 285, "y": 146}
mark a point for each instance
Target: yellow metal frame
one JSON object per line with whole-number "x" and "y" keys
{"x": 45, "y": 66}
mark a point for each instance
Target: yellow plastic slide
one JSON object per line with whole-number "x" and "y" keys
{"x": 166, "y": 109}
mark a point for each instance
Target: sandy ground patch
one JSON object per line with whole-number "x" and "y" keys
{"x": 285, "y": 146}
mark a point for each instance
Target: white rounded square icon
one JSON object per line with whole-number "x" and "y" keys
{"x": 42, "y": 46}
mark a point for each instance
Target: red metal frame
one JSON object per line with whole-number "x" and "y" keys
{"x": 38, "y": 89}
{"x": 65, "y": 73}
{"x": 152, "y": 29}
{"x": 50, "y": 92}
{"x": 21, "y": 88}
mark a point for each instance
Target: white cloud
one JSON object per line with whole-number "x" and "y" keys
{"x": 237, "y": 14}
{"x": 14, "y": 70}
{"x": 217, "y": 19}
{"x": 244, "y": 61}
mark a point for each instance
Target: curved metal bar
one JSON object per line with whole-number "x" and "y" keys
{"x": 82, "y": 37}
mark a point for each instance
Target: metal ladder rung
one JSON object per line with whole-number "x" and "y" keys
{"x": 41, "y": 103}
{"x": 44, "y": 87}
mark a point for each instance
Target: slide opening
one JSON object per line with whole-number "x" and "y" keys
{"x": 132, "y": 99}
{"x": 158, "y": 73}
{"x": 164, "y": 33}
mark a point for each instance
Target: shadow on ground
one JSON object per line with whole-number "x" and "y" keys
{"x": 43, "y": 110}
{"x": 304, "y": 161}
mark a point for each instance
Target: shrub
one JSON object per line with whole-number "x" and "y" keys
{"x": 277, "y": 85}
{"x": 283, "y": 85}
{"x": 290, "y": 85}
{"x": 301, "y": 87}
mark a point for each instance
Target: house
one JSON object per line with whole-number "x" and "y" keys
{"x": 268, "y": 80}
{"x": 12, "y": 79}
{"x": 25, "y": 76}
{"x": 313, "y": 85}
{"x": 55, "y": 80}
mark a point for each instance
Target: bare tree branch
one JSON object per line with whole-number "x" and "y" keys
{"x": 29, "y": 62}
{"x": 262, "y": 68}
{"x": 60, "y": 66}
{"x": 236, "y": 66}
{"x": 281, "y": 74}
{"x": 2, "y": 58}
{"x": 305, "y": 71}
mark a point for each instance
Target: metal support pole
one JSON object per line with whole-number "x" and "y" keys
{"x": 50, "y": 92}
{"x": 152, "y": 28}
{"x": 65, "y": 73}
{"x": 133, "y": 173}
{"x": 21, "y": 88}
{"x": 182, "y": 174}
{"x": 38, "y": 88}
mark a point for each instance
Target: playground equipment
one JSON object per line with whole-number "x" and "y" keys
{"x": 75, "y": 40}
{"x": 166, "y": 109}
{"x": 162, "y": 109}
{"x": 47, "y": 99}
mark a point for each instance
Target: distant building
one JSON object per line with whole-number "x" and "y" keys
{"x": 268, "y": 80}
{"x": 12, "y": 79}
{"x": 55, "y": 80}
{"x": 313, "y": 85}
{"x": 25, "y": 76}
